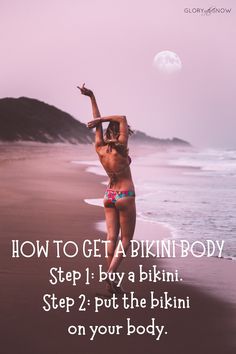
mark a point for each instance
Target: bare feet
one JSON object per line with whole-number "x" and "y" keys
{"x": 113, "y": 288}
{"x": 109, "y": 287}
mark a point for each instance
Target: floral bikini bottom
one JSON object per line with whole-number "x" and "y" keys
{"x": 113, "y": 196}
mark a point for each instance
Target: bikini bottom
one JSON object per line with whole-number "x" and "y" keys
{"x": 113, "y": 195}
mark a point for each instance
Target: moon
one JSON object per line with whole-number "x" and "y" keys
{"x": 167, "y": 62}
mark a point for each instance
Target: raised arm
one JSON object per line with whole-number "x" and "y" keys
{"x": 123, "y": 126}
{"x": 96, "y": 114}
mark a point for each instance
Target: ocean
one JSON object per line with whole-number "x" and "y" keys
{"x": 192, "y": 192}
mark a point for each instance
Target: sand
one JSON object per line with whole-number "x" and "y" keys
{"x": 42, "y": 198}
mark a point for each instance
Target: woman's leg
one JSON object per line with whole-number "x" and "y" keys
{"x": 127, "y": 218}
{"x": 113, "y": 229}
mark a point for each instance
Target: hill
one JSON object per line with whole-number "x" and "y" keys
{"x": 28, "y": 119}
{"x": 143, "y": 138}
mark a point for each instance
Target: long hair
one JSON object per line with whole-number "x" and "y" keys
{"x": 113, "y": 131}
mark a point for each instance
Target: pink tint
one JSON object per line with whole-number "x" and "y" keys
{"x": 47, "y": 48}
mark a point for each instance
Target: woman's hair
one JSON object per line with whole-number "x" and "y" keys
{"x": 113, "y": 131}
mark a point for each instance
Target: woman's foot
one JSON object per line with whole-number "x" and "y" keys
{"x": 117, "y": 289}
{"x": 113, "y": 288}
{"x": 109, "y": 287}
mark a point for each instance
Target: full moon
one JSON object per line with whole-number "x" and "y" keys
{"x": 167, "y": 62}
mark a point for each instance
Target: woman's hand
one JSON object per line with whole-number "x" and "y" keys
{"x": 94, "y": 123}
{"x": 85, "y": 91}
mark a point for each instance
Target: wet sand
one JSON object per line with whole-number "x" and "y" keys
{"x": 42, "y": 197}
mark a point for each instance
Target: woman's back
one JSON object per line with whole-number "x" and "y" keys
{"x": 116, "y": 166}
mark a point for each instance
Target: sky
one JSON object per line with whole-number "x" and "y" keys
{"x": 48, "y": 47}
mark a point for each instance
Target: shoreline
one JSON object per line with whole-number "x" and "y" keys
{"x": 169, "y": 231}
{"x": 207, "y": 272}
{"x": 42, "y": 197}
{"x": 165, "y": 232}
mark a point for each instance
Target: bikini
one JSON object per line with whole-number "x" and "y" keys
{"x": 113, "y": 195}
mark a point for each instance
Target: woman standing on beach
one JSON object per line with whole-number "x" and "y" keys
{"x": 119, "y": 199}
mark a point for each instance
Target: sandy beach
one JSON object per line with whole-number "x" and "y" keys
{"x": 42, "y": 198}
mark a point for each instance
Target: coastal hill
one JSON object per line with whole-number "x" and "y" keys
{"x": 143, "y": 138}
{"x": 27, "y": 119}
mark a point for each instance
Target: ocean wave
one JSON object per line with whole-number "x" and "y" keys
{"x": 86, "y": 162}
{"x": 151, "y": 217}
{"x": 209, "y": 161}
{"x": 201, "y": 209}
{"x": 95, "y": 201}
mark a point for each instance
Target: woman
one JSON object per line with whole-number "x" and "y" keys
{"x": 119, "y": 199}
